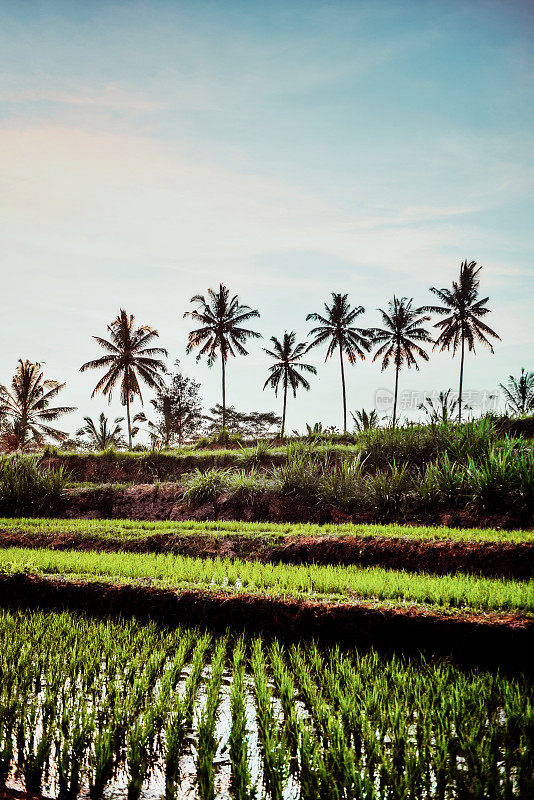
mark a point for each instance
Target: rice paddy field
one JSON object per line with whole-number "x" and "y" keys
{"x": 116, "y": 708}
{"x": 230, "y": 659}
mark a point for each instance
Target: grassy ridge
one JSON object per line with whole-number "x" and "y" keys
{"x": 134, "y": 529}
{"x": 336, "y": 582}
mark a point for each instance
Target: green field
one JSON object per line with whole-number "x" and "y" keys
{"x": 333, "y": 582}
{"x": 119, "y": 706}
{"x": 132, "y": 529}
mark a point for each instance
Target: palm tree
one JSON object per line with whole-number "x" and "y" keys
{"x": 27, "y": 405}
{"x": 286, "y": 368}
{"x": 338, "y": 330}
{"x": 462, "y": 323}
{"x": 103, "y": 436}
{"x": 128, "y": 359}
{"x": 398, "y": 339}
{"x": 220, "y": 319}
{"x": 519, "y": 393}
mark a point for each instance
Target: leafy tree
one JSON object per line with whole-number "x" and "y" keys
{"x": 365, "y": 421}
{"x": 102, "y": 435}
{"x": 251, "y": 425}
{"x": 519, "y": 393}
{"x": 127, "y": 361}
{"x": 220, "y": 331}
{"x": 337, "y": 328}
{"x": 440, "y": 410}
{"x": 398, "y": 340}
{"x": 287, "y": 355}
{"x": 462, "y": 324}
{"x": 26, "y": 410}
{"x": 179, "y": 411}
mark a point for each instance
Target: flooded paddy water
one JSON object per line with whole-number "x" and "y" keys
{"x": 118, "y": 709}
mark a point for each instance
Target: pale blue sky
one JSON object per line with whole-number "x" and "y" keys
{"x": 151, "y": 150}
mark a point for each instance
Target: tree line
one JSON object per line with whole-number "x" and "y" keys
{"x": 132, "y": 357}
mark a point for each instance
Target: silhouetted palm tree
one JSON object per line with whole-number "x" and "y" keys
{"x": 398, "y": 339}
{"x": 286, "y": 368}
{"x": 365, "y": 420}
{"x": 519, "y": 393}
{"x": 220, "y": 319}
{"x": 103, "y": 435}
{"x": 462, "y": 323}
{"x": 338, "y": 330}
{"x": 128, "y": 360}
{"x": 27, "y": 405}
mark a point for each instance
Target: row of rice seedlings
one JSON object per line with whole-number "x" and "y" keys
{"x": 125, "y": 529}
{"x": 101, "y": 708}
{"x": 457, "y": 591}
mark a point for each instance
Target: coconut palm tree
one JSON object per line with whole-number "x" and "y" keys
{"x": 220, "y": 331}
{"x": 287, "y": 355}
{"x": 128, "y": 360}
{"x": 337, "y": 328}
{"x": 104, "y": 435}
{"x": 462, "y": 323}
{"x": 398, "y": 340}
{"x": 519, "y": 393}
{"x": 26, "y": 408}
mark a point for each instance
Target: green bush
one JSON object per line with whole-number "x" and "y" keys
{"x": 386, "y": 492}
{"x": 300, "y": 473}
{"x": 341, "y": 486}
{"x": 201, "y": 487}
{"x": 29, "y": 490}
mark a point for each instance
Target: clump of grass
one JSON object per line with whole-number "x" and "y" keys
{"x": 246, "y": 485}
{"x": 502, "y": 480}
{"x": 254, "y": 456}
{"x": 202, "y": 487}
{"x": 341, "y": 486}
{"x": 301, "y": 472}
{"x": 386, "y": 491}
{"x": 28, "y": 489}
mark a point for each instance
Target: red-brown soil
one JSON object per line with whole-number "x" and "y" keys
{"x": 153, "y": 502}
{"x": 438, "y": 557}
{"x": 474, "y": 638}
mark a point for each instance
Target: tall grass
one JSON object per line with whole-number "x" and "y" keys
{"x": 28, "y": 489}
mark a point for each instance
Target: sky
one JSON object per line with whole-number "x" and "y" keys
{"x": 151, "y": 150}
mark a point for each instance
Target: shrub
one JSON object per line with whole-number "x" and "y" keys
{"x": 201, "y": 487}
{"x": 245, "y": 485}
{"x": 300, "y": 474}
{"x": 385, "y": 491}
{"x": 341, "y": 486}
{"x": 254, "y": 456}
{"x": 27, "y": 489}
{"x": 503, "y": 480}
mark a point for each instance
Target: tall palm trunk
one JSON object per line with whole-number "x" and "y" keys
{"x": 128, "y": 418}
{"x": 461, "y": 381}
{"x": 396, "y": 391}
{"x": 284, "y": 408}
{"x": 223, "y": 390}
{"x": 343, "y": 386}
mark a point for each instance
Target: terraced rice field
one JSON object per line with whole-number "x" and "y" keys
{"x": 120, "y": 708}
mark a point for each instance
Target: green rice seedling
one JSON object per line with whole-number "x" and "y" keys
{"x": 76, "y": 729}
{"x": 341, "y": 486}
{"x": 27, "y": 489}
{"x": 138, "y": 752}
{"x": 273, "y": 744}
{"x": 241, "y": 787}
{"x": 202, "y": 487}
{"x": 207, "y": 743}
{"x": 102, "y": 760}
{"x": 191, "y": 686}
{"x": 174, "y": 739}
{"x": 285, "y": 689}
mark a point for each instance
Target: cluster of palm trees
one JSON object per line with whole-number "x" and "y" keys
{"x": 131, "y": 357}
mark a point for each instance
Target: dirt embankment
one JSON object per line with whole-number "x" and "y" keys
{"x": 486, "y": 639}
{"x": 153, "y": 502}
{"x": 438, "y": 557}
